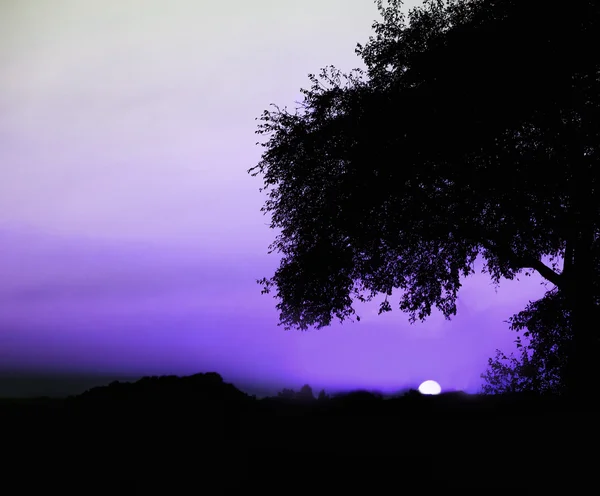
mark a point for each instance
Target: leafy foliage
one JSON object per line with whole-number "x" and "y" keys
{"x": 543, "y": 354}
{"x": 506, "y": 375}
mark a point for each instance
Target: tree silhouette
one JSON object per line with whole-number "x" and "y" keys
{"x": 306, "y": 393}
{"x": 543, "y": 354}
{"x": 287, "y": 394}
{"x": 472, "y": 132}
{"x": 322, "y": 395}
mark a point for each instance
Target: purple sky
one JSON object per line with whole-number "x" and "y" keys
{"x": 130, "y": 233}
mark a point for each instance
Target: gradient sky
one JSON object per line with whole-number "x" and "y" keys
{"x": 130, "y": 232}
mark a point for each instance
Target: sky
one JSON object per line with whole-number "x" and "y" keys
{"x": 130, "y": 232}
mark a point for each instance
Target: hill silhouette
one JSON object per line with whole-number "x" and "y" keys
{"x": 199, "y": 387}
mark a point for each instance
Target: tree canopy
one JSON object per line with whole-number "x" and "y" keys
{"x": 472, "y": 132}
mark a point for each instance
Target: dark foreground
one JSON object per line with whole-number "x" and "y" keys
{"x": 199, "y": 435}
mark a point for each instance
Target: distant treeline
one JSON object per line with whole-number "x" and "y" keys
{"x": 210, "y": 390}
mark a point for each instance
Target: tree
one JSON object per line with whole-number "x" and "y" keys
{"x": 286, "y": 394}
{"x": 543, "y": 354}
{"x": 472, "y": 133}
{"x": 306, "y": 393}
{"x": 504, "y": 375}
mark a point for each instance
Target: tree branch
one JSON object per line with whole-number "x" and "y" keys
{"x": 526, "y": 262}
{"x": 545, "y": 271}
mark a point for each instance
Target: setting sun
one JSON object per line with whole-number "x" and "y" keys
{"x": 430, "y": 387}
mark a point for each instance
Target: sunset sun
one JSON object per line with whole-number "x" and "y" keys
{"x": 430, "y": 388}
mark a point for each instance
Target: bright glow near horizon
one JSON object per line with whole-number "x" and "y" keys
{"x": 430, "y": 388}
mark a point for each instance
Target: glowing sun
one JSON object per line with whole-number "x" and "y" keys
{"x": 430, "y": 387}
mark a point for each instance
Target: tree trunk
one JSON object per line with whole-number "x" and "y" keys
{"x": 582, "y": 374}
